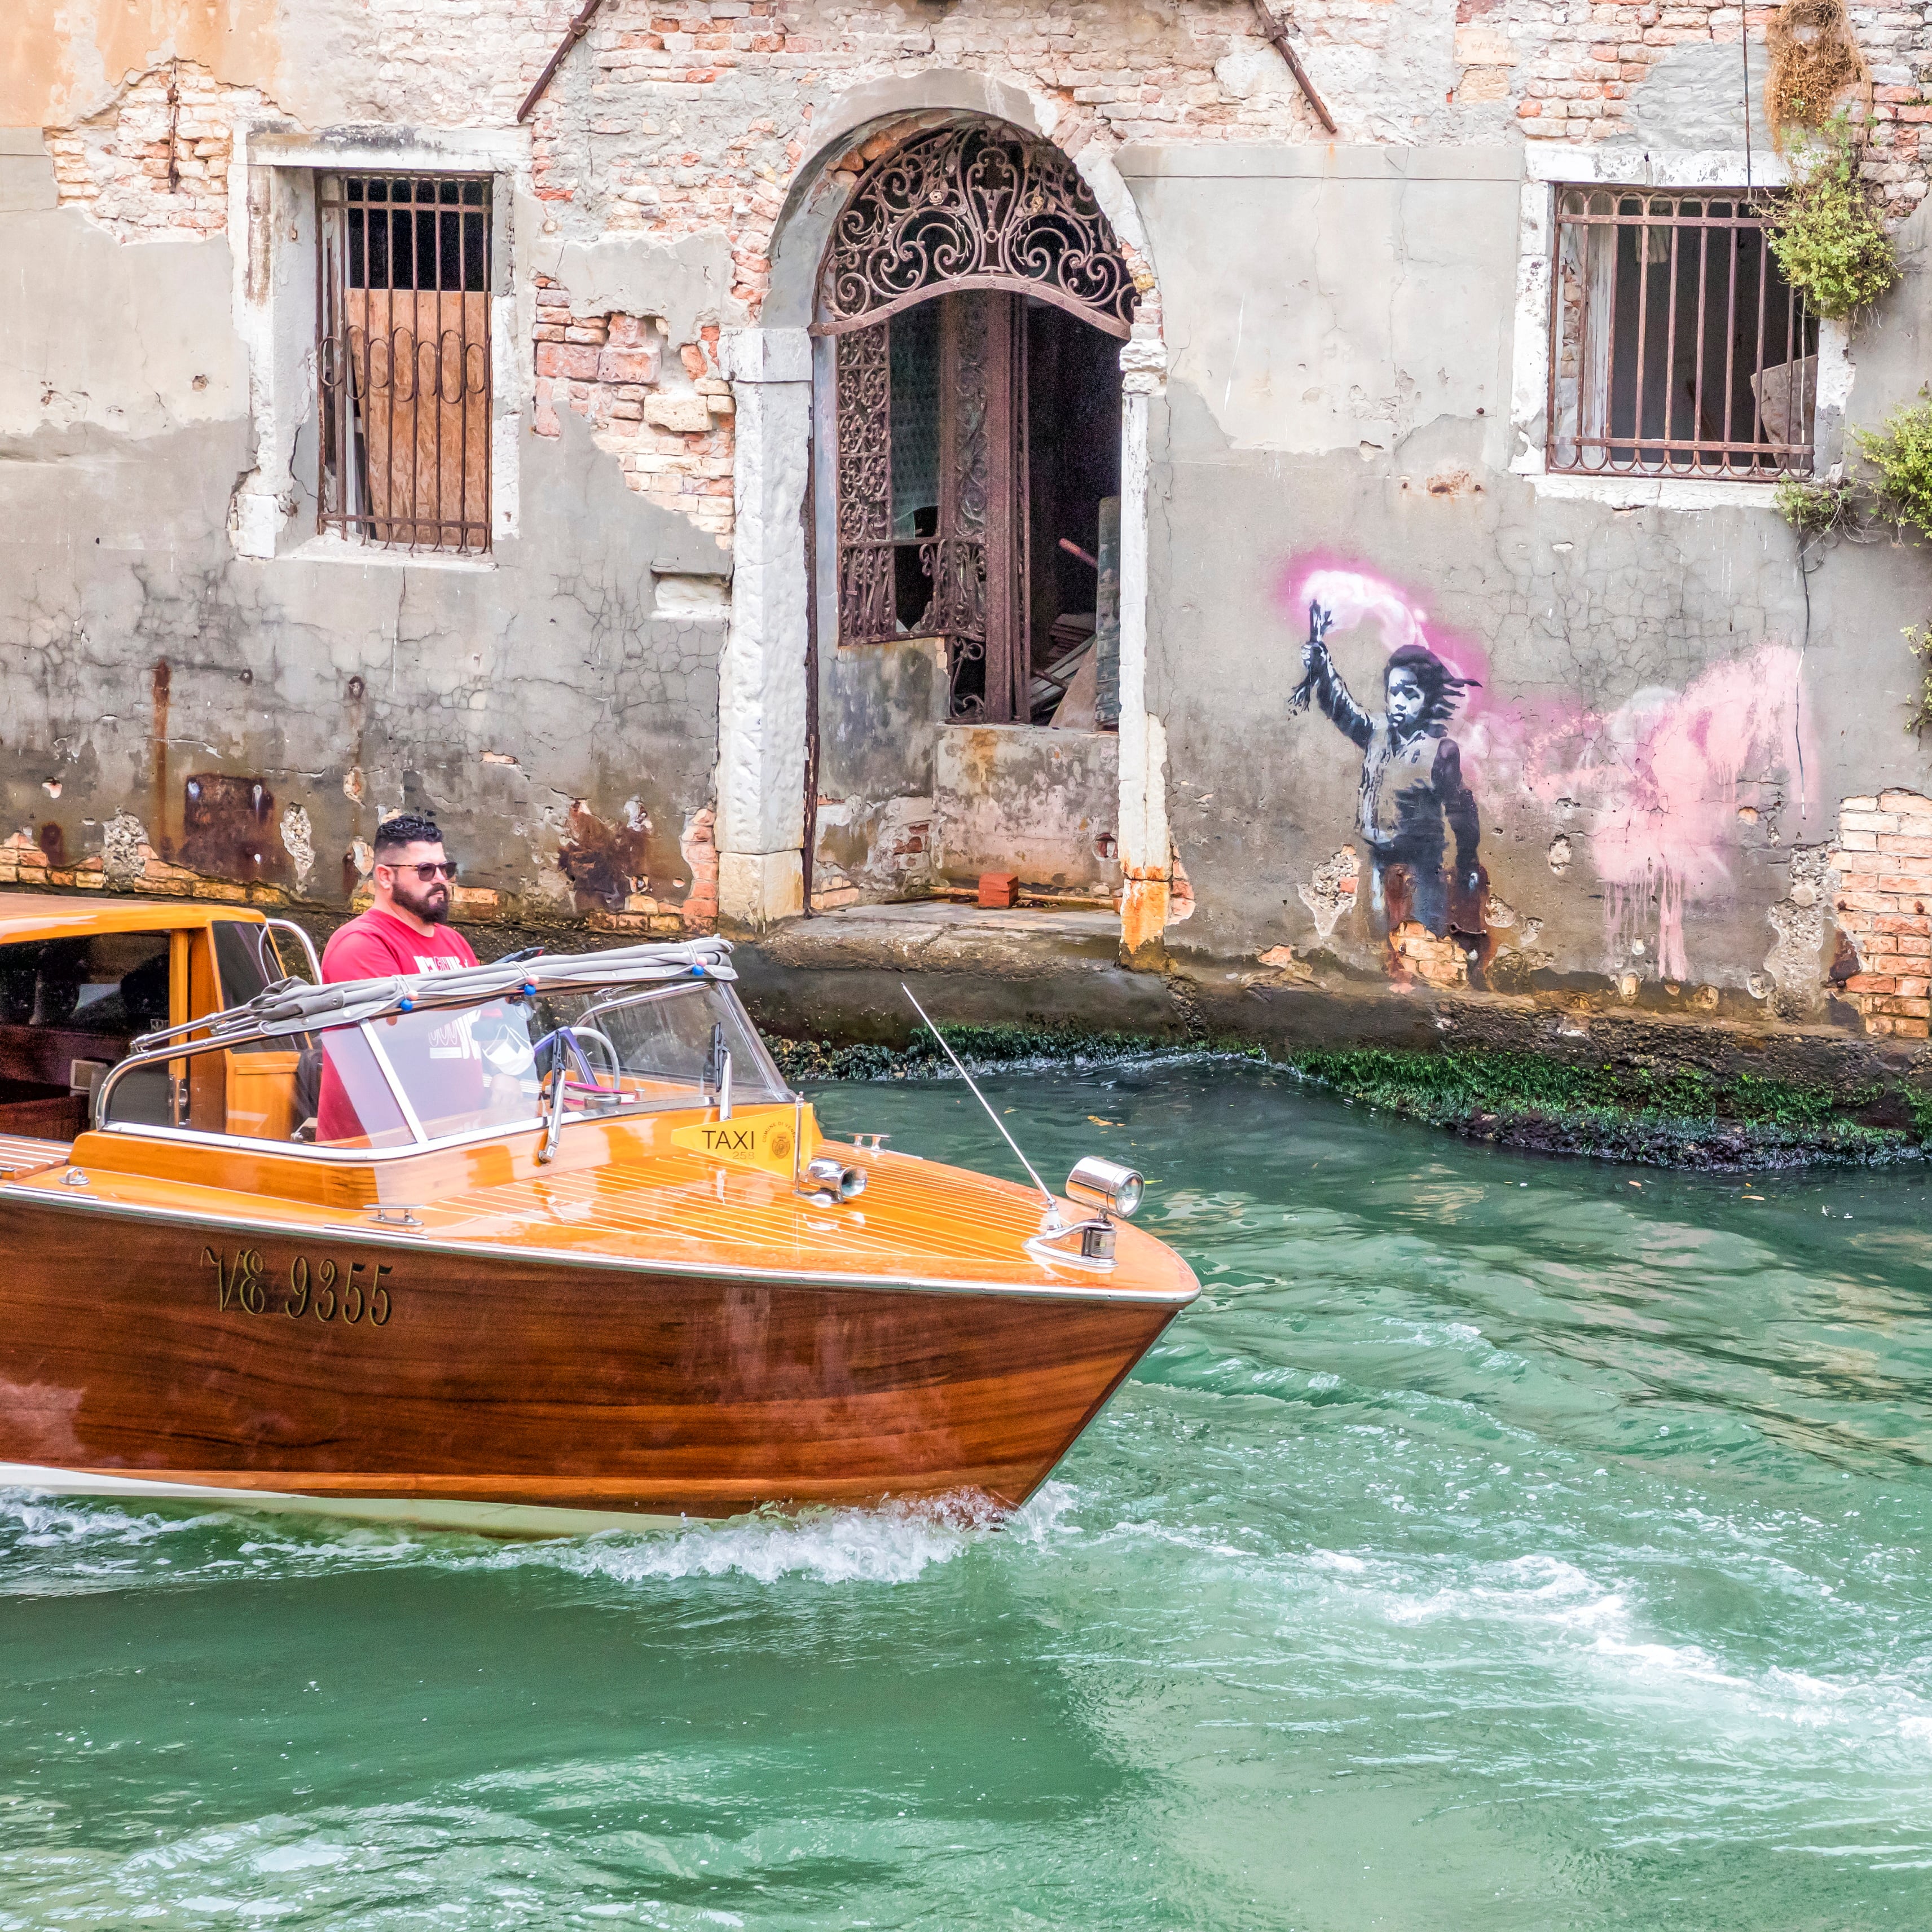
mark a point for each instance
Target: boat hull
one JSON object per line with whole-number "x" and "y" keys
{"x": 322, "y": 1369}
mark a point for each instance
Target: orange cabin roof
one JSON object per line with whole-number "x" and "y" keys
{"x": 30, "y": 915}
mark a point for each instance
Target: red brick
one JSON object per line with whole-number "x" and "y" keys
{"x": 579, "y": 361}
{"x": 1901, "y": 1008}
{"x": 1870, "y": 983}
{"x": 628, "y": 365}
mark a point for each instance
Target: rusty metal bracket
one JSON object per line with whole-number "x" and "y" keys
{"x": 578, "y": 28}
{"x": 1277, "y": 32}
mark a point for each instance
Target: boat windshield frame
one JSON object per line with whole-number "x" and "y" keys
{"x": 172, "y": 1046}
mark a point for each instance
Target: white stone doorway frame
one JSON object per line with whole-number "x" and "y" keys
{"x": 763, "y": 705}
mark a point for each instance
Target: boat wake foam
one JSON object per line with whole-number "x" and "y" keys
{"x": 63, "y": 1545}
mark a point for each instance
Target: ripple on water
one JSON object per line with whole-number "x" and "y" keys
{"x": 64, "y": 1546}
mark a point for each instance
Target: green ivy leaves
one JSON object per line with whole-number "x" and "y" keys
{"x": 1829, "y": 234}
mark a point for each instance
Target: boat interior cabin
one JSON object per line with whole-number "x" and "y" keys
{"x": 81, "y": 979}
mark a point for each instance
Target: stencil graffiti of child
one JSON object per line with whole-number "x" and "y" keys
{"x": 1413, "y": 799}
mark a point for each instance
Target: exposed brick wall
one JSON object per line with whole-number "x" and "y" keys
{"x": 154, "y": 163}
{"x": 703, "y": 107}
{"x": 1414, "y": 952}
{"x": 1883, "y": 859}
{"x": 1571, "y": 71}
{"x": 142, "y": 870}
{"x": 699, "y": 912}
{"x": 667, "y": 418}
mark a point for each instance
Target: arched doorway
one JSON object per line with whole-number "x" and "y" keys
{"x": 974, "y": 297}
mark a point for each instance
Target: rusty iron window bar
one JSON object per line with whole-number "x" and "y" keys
{"x": 1677, "y": 347}
{"x": 402, "y": 360}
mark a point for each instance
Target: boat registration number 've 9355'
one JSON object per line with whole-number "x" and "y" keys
{"x": 328, "y": 1289}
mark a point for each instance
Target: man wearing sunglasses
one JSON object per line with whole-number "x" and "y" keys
{"x": 403, "y": 932}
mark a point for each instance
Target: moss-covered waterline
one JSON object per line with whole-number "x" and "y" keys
{"x": 1657, "y": 1116}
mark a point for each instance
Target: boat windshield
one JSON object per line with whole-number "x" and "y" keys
{"x": 444, "y": 1072}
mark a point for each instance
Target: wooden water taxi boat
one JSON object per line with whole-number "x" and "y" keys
{"x": 530, "y": 1247}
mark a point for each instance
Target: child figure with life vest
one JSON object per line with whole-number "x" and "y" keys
{"x": 1413, "y": 802}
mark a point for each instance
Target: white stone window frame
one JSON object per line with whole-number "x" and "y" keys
{"x": 1547, "y": 170}
{"x": 272, "y": 225}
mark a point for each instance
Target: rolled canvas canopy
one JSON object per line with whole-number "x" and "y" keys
{"x": 294, "y": 1007}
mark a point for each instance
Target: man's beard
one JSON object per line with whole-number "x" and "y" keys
{"x": 430, "y": 904}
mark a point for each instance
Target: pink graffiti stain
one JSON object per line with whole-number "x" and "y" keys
{"x": 1660, "y": 777}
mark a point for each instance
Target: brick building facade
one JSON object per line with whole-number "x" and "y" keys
{"x": 578, "y": 564}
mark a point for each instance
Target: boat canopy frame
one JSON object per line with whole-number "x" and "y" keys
{"x": 293, "y": 1008}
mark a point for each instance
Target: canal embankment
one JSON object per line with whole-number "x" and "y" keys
{"x": 1569, "y": 1070}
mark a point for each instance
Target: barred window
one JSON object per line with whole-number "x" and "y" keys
{"x": 403, "y": 360}
{"x": 1679, "y": 348}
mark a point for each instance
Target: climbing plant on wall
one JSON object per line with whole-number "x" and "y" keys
{"x": 1897, "y": 496}
{"x": 1829, "y": 233}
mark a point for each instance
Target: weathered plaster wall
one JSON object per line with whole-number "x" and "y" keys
{"x": 249, "y": 720}
{"x": 1029, "y": 799}
{"x": 1660, "y": 729}
{"x": 1662, "y": 737}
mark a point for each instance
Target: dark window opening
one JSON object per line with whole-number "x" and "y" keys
{"x": 1677, "y": 347}
{"x": 403, "y": 360}
{"x": 1073, "y": 476}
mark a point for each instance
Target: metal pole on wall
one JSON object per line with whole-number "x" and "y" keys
{"x": 1143, "y": 835}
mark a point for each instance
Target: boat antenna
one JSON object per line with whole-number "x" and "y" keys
{"x": 1053, "y": 1206}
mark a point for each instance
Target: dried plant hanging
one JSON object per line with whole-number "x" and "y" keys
{"x": 1813, "y": 59}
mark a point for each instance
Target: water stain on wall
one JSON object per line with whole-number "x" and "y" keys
{"x": 229, "y": 830}
{"x": 606, "y": 863}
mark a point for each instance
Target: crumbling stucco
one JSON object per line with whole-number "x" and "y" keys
{"x": 1331, "y": 892}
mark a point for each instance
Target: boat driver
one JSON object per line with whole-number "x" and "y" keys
{"x": 404, "y": 931}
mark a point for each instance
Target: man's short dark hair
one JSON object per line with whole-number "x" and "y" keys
{"x": 406, "y": 828}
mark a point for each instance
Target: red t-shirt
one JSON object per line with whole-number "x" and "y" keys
{"x": 375, "y": 944}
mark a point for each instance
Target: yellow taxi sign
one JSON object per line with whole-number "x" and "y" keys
{"x": 760, "y": 1138}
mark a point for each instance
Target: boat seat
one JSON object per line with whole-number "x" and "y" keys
{"x": 20, "y": 1154}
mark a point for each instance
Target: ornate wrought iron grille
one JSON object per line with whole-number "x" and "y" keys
{"x": 941, "y": 553}
{"x": 1677, "y": 347}
{"x": 402, "y": 360}
{"x": 974, "y": 206}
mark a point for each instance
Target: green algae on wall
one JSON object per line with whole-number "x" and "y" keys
{"x": 1657, "y": 1116}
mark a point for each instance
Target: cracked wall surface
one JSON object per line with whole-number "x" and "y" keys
{"x": 179, "y": 718}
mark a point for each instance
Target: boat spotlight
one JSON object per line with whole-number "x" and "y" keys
{"x": 1106, "y": 1185}
{"x": 843, "y": 1183}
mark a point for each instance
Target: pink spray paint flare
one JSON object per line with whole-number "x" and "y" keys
{"x": 1354, "y": 597}
{"x": 1662, "y": 776}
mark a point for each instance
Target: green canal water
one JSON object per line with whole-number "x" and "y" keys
{"x": 1498, "y": 1543}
